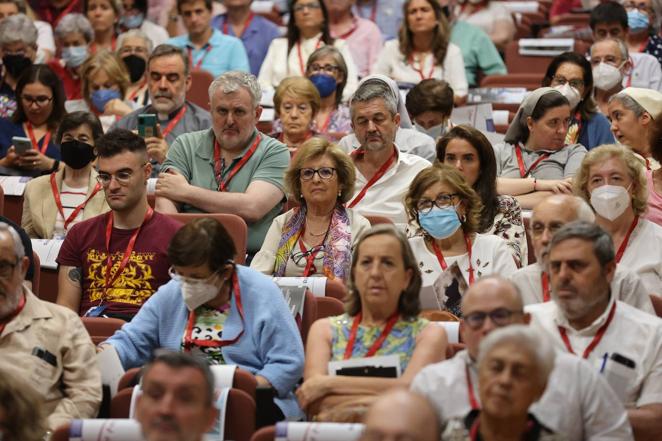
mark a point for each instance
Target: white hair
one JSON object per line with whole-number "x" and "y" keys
{"x": 19, "y": 250}
{"x": 16, "y": 28}
{"x": 135, "y": 33}
{"x": 231, "y": 81}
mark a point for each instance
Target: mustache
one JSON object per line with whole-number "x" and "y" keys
{"x": 163, "y": 95}
{"x": 166, "y": 421}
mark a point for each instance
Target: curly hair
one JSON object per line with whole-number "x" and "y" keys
{"x": 441, "y": 32}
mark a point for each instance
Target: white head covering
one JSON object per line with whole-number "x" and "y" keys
{"x": 649, "y": 99}
{"x": 405, "y": 122}
{"x": 517, "y": 127}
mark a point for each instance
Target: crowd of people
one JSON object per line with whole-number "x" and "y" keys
{"x": 326, "y": 126}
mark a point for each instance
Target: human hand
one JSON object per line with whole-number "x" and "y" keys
{"x": 172, "y": 185}
{"x": 312, "y": 390}
{"x": 157, "y": 147}
{"x": 34, "y": 160}
{"x": 11, "y": 158}
{"x": 563, "y": 186}
{"x": 117, "y": 107}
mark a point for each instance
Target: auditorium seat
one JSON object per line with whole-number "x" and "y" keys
{"x": 571, "y": 19}
{"x": 265, "y": 434}
{"x": 2, "y": 201}
{"x": 374, "y": 220}
{"x": 436, "y": 315}
{"x": 309, "y": 315}
{"x": 335, "y": 288}
{"x": 101, "y": 328}
{"x": 198, "y": 94}
{"x": 36, "y": 274}
{"x": 657, "y": 304}
{"x": 529, "y": 241}
{"x": 517, "y": 63}
{"x": 328, "y": 307}
{"x": 530, "y": 81}
{"x": 454, "y": 348}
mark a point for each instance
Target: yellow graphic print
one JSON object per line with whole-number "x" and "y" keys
{"x": 134, "y": 285}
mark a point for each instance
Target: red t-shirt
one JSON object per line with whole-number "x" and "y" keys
{"x": 147, "y": 269}
{"x": 72, "y": 86}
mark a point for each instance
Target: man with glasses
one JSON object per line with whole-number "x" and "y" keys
{"x": 112, "y": 263}
{"x": 18, "y": 49}
{"x": 43, "y": 343}
{"x": 576, "y": 402}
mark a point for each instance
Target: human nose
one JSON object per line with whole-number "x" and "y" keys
{"x": 113, "y": 183}
{"x": 613, "y": 126}
{"x": 371, "y": 126}
{"x": 166, "y": 404}
{"x": 458, "y": 164}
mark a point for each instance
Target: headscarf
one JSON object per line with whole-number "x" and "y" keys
{"x": 518, "y": 127}
{"x": 649, "y": 99}
{"x": 405, "y": 122}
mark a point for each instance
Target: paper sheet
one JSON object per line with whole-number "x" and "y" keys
{"x": 151, "y": 185}
{"x": 14, "y": 185}
{"x": 377, "y": 361}
{"x": 294, "y": 431}
{"x": 105, "y": 429}
{"x": 47, "y": 250}
{"x": 111, "y": 368}
{"x": 316, "y": 285}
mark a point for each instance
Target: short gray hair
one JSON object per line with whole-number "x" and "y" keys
{"x": 372, "y": 89}
{"x": 603, "y": 246}
{"x": 18, "y": 28}
{"x": 230, "y": 82}
{"x": 622, "y": 47}
{"x": 525, "y": 338}
{"x": 19, "y": 250}
{"x": 629, "y": 103}
{"x": 135, "y": 33}
{"x": 583, "y": 210}
{"x": 71, "y": 23}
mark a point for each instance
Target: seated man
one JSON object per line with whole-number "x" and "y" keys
{"x": 547, "y": 217}
{"x": 230, "y": 168}
{"x": 586, "y": 320}
{"x": 430, "y": 104}
{"x": 168, "y": 80}
{"x": 43, "y": 343}
{"x": 112, "y": 263}
{"x": 576, "y": 402}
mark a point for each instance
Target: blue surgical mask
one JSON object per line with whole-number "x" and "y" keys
{"x": 132, "y": 21}
{"x": 74, "y": 56}
{"x": 637, "y": 20}
{"x": 325, "y": 84}
{"x": 435, "y": 132}
{"x": 440, "y": 223}
{"x": 101, "y": 97}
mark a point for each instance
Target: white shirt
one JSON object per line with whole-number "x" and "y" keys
{"x": 577, "y": 402}
{"x": 407, "y": 140}
{"x": 646, "y": 72}
{"x": 71, "y": 197}
{"x": 486, "y": 18}
{"x": 45, "y": 40}
{"x": 391, "y": 62}
{"x": 626, "y": 286}
{"x": 643, "y": 255}
{"x": 156, "y": 33}
{"x": 631, "y": 333}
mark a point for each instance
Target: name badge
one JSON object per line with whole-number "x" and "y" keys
{"x": 95, "y": 311}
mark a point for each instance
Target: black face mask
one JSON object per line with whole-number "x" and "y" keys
{"x": 136, "y": 66}
{"x": 76, "y": 154}
{"x": 16, "y": 64}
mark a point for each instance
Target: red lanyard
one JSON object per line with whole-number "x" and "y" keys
{"x": 442, "y": 261}
{"x": 189, "y": 341}
{"x": 596, "y": 339}
{"x": 355, "y": 26}
{"x": 19, "y": 308}
{"x": 544, "y": 280}
{"x": 113, "y": 45}
{"x": 199, "y": 63}
{"x": 127, "y": 252}
{"x": 246, "y": 24}
{"x": 419, "y": 69}
{"x": 60, "y": 208}
{"x": 310, "y": 259}
{"x": 376, "y": 177}
{"x": 643, "y": 44}
{"x": 473, "y": 402}
{"x": 626, "y": 239}
{"x": 171, "y": 125}
{"x": 223, "y": 184}
{"x": 302, "y": 65}
{"x": 134, "y": 94}
{"x": 373, "y": 13}
{"x": 520, "y": 162}
{"x": 33, "y": 140}
{"x": 377, "y": 344}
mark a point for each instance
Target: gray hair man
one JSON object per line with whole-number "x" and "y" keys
{"x": 18, "y": 46}
{"x": 587, "y": 320}
{"x": 576, "y": 402}
{"x": 230, "y": 168}
{"x": 610, "y": 62}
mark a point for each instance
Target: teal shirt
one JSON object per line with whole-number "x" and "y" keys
{"x": 192, "y": 154}
{"x": 478, "y": 51}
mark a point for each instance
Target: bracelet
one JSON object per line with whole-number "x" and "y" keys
{"x": 535, "y": 181}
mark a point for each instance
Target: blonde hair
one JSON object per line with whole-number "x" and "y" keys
{"x": 109, "y": 63}
{"x": 24, "y": 415}
{"x": 298, "y": 88}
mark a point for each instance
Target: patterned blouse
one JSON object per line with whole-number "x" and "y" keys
{"x": 401, "y": 340}
{"x": 508, "y": 225}
{"x": 340, "y": 124}
{"x": 208, "y": 326}
{"x": 654, "y": 47}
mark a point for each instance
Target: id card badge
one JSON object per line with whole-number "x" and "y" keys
{"x": 95, "y": 311}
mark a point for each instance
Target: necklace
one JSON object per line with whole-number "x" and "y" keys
{"x": 317, "y": 235}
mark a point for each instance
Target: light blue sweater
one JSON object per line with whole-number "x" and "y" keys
{"x": 271, "y": 345}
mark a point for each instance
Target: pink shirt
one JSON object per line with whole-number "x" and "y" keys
{"x": 654, "y": 212}
{"x": 365, "y": 42}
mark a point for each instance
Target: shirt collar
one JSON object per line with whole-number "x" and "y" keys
{"x": 33, "y": 309}
{"x": 592, "y": 329}
{"x": 208, "y": 154}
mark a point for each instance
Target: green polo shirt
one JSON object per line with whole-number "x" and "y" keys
{"x": 192, "y": 154}
{"x": 478, "y": 51}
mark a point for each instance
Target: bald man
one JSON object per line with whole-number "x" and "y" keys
{"x": 547, "y": 217}
{"x": 401, "y": 414}
{"x": 577, "y": 401}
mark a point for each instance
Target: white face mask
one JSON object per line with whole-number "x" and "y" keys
{"x": 606, "y": 76}
{"x": 435, "y": 132}
{"x": 198, "y": 293}
{"x": 571, "y": 94}
{"x": 610, "y": 201}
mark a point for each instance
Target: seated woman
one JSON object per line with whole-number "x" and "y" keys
{"x": 654, "y": 178}
{"x": 526, "y": 359}
{"x": 134, "y": 48}
{"x": 40, "y": 107}
{"x": 469, "y": 151}
{"x": 613, "y": 181}
{"x": 296, "y": 103}
{"x": 492, "y": 17}
{"x": 381, "y": 319}
{"x": 216, "y": 309}
{"x": 423, "y": 50}
{"x": 430, "y": 104}
{"x": 73, "y": 34}
{"x": 53, "y": 204}
{"x": 104, "y": 16}
{"x": 534, "y": 161}
{"x": 315, "y": 238}
{"x": 307, "y": 30}
{"x": 571, "y": 74}
{"x": 134, "y": 16}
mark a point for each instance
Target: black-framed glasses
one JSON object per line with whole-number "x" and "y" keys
{"x": 499, "y": 316}
{"x": 307, "y": 174}
{"x": 299, "y": 258}
{"x": 301, "y": 6}
{"x": 559, "y": 80}
{"x": 443, "y": 200}
{"x": 7, "y": 268}
{"x": 40, "y": 100}
{"x": 123, "y": 177}
{"x": 327, "y": 68}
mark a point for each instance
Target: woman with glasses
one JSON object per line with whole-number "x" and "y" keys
{"x": 571, "y": 74}
{"x": 448, "y": 212}
{"x": 134, "y": 48}
{"x": 381, "y": 319}
{"x": 296, "y": 102}
{"x": 307, "y": 30}
{"x": 643, "y": 27}
{"x": 53, "y": 204}
{"x": 315, "y": 238}
{"x": 39, "y": 109}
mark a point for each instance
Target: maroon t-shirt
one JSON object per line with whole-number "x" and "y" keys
{"x": 84, "y": 247}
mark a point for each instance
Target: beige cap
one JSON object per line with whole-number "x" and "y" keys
{"x": 649, "y": 99}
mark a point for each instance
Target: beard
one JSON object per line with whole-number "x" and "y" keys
{"x": 8, "y": 303}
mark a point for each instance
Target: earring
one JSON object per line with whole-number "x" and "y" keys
{"x": 339, "y": 193}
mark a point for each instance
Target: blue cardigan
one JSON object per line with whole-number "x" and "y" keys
{"x": 271, "y": 345}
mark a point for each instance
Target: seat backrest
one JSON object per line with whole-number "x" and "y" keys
{"x": 328, "y": 307}
{"x": 657, "y": 304}
{"x": 529, "y": 240}
{"x": 100, "y": 328}
{"x": 335, "y": 288}
{"x": 309, "y": 314}
{"x": 435, "y": 315}
{"x": 61, "y": 433}
{"x": 198, "y": 94}
{"x": 530, "y": 81}
{"x": 454, "y": 348}
{"x": 265, "y": 434}
{"x": 374, "y": 220}
{"x": 2, "y": 201}
{"x": 36, "y": 273}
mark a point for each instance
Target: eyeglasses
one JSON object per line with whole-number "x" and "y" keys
{"x": 307, "y": 174}
{"x": 499, "y": 316}
{"x": 178, "y": 277}
{"x": 123, "y": 177}
{"x": 300, "y": 257}
{"x": 559, "y": 80}
{"x": 643, "y": 7}
{"x": 538, "y": 228}
{"x": 7, "y": 268}
{"x": 328, "y": 68}
{"x": 40, "y": 100}
{"x": 443, "y": 200}
{"x": 301, "y": 6}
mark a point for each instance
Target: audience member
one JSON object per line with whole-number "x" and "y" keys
{"x": 381, "y": 319}
{"x": 18, "y": 47}
{"x": 230, "y": 168}
{"x": 134, "y": 16}
{"x": 27, "y": 246}
{"x": 534, "y": 160}
{"x": 448, "y": 212}
{"x": 547, "y": 218}
{"x": 423, "y": 50}
{"x": 586, "y": 320}
{"x": 386, "y": 14}
{"x": 307, "y": 31}
{"x": 53, "y": 11}
{"x": 613, "y": 181}
{"x": 45, "y": 41}
{"x": 469, "y": 151}
{"x": 40, "y": 108}
{"x": 208, "y": 49}
{"x": 53, "y": 204}
{"x": 430, "y": 104}
{"x": 73, "y": 35}
{"x": 492, "y": 17}
{"x": 256, "y": 32}
{"x": 219, "y": 311}
{"x": 168, "y": 81}
{"x": 570, "y": 74}
{"x": 317, "y": 237}
{"x": 296, "y": 103}
{"x": 134, "y": 49}
{"x": 610, "y": 62}
{"x": 44, "y": 344}
{"x": 609, "y": 20}
{"x": 654, "y": 178}
{"x": 95, "y": 247}
{"x": 21, "y": 412}
{"x": 577, "y": 401}
{"x": 104, "y": 16}
{"x": 643, "y": 25}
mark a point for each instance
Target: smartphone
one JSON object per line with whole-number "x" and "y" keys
{"x": 147, "y": 125}
{"x": 21, "y": 144}
{"x": 618, "y": 371}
